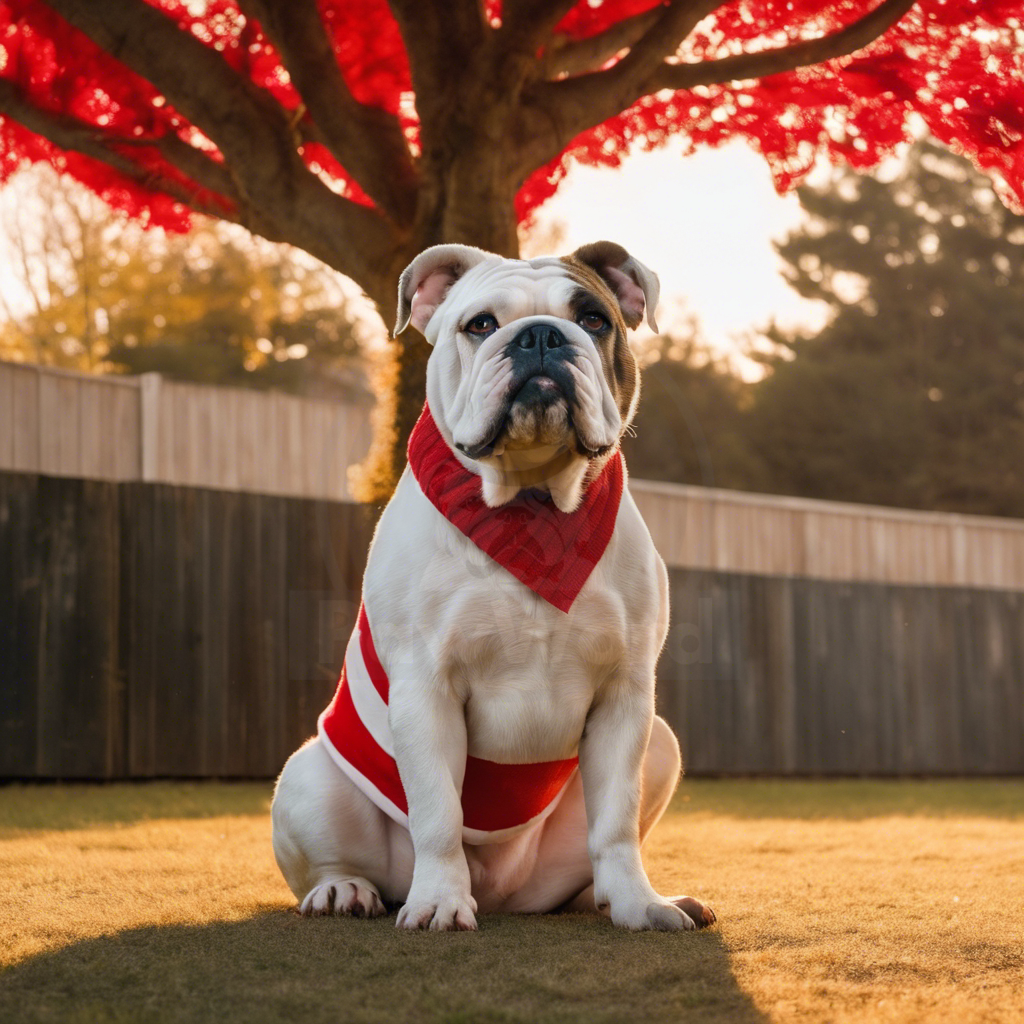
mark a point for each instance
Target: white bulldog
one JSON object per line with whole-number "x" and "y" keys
{"x": 493, "y": 745}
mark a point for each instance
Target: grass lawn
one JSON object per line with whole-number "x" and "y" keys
{"x": 837, "y": 901}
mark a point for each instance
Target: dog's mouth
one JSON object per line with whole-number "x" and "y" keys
{"x": 536, "y": 414}
{"x": 539, "y": 390}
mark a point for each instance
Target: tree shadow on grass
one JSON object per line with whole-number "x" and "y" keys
{"x": 276, "y": 966}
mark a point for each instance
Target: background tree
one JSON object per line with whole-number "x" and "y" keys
{"x": 914, "y": 394}
{"x": 99, "y": 293}
{"x": 691, "y": 423}
{"x": 362, "y": 131}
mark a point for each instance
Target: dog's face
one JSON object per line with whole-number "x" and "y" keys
{"x": 531, "y": 381}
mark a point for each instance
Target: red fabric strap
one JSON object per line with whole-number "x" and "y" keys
{"x": 497, "y": 796}
{"x": 353, "y": 741}
{"x": 494, "y": 796}
{"x": 552, "y": 552}
{"x": 378, "y": 676}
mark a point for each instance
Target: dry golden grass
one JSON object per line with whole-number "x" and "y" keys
{"x": 838, "y": 901}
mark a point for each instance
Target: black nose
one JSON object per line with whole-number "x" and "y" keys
{"x": 542, "y": 336}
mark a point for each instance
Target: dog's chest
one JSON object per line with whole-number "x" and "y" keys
{"x": 526, "y": 672}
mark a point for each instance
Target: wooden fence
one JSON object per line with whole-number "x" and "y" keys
{"x": 148, "y": 428}
{"x": 179, "y": 572}
{"x": 736, "y": 532}
{"x": 788, "y": 675}
{"x": 151, "y": 630}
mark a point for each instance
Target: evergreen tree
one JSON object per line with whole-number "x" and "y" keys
{"x": 914, "y": 394}
{"x": 690, "y": 425}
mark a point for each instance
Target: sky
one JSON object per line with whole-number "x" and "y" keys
{"x": 704, "y": 223}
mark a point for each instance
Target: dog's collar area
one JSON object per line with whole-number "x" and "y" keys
{"x": 550, "y": 551}
{"x": 537, "y": 492}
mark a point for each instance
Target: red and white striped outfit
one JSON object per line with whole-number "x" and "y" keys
{"x": 553, "y": 553}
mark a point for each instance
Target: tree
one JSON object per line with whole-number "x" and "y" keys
{"x": 218, "y": 306}
{"x": 691, "y": 424}
{"x": 363, "y": 131}
{"x": 913, "y": 395}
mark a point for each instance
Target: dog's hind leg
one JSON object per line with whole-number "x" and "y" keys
{"x": 330, "y": 841}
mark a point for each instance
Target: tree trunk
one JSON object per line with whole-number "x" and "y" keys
{"x": 469, "y": 198}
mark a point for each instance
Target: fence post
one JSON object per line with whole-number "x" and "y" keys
{"x": 149, "y": 426}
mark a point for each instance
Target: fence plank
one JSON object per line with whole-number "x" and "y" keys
{"x": 20, "y": 584}
{"x": 77, "y": 662}
{"x": 68, "y": 421}
{"x": 25, "y": 388}
{"x": 138, "y": 645}
{"x": 248, "y": 455}
{"x": 247, "y": 683}
{"x": 1008, "y": 745}
{"x": 290, "y": 420}
{"x": 125, "y": 434}
{"x": 7, "y": 417}
{"x": 219, "y": 527}
{"x": 99, "y": 694}
{"x": 92, "y": 443}
{"x": 273, "y": 541}
{"x": 185, "y": 508}
{"x": 780, "y": 674}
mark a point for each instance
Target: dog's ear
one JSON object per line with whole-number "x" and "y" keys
{"x": 635, "y": 286}
{"x": 425, "y": 282}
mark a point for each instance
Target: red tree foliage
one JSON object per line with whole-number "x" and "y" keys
{"x": 956, "y": 63}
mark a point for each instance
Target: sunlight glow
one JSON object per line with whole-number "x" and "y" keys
{"x": 705, "y": 224}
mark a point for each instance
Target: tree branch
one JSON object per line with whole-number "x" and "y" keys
{"x": 786, "y": 58}
{"x": 676, "y": 21}
{"x": 280, "y": 198}
{"x": 192, "y": 162}
{"x": 526, "y": 29}
{"x": 567, "y": 56}
{"x": 533, "y": 19}
{"x": 366, "y": 141}
{"x": 195, "y": 79}
{"x": 70, "y": 134}
{"x": 575, "y": 104}
{"x": 433, "y": 34}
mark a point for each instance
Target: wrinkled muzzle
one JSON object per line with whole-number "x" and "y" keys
{"x": 537, "y": 381}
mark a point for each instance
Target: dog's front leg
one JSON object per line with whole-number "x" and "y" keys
{"x": 612, "y": 751}
{"x": 429, "y": 730}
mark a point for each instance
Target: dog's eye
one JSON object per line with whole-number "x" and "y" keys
{"x": 481, "y": 325}
{"x": 593, "y": 323}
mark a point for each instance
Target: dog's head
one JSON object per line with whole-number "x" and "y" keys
{"x": 531, "y": 381}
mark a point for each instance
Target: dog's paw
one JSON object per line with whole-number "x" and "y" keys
{"x": 667, "y": 917}
{"x": 447, "y": 914}
{"x": 700, "y": 913}
{"x": 346, "y": 897}
{"x": 658, "y": 916}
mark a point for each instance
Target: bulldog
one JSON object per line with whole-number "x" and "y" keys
{"x": 492, "y": 744}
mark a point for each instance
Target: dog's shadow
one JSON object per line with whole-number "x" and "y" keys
{"x": 276, "y": 966}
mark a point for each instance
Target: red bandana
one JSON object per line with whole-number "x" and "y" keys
{"x": 552, "y": 552}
